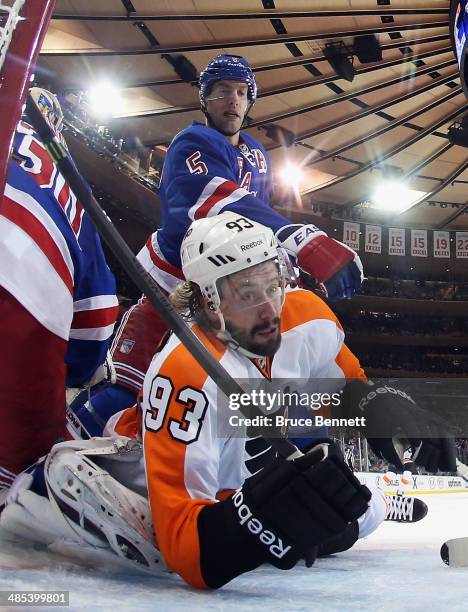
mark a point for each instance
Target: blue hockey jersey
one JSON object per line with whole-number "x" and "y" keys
{"x": 203, "y": 175}
{"x": 51, "y": 259}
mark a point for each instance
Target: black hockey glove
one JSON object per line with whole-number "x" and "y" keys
{"x": 280, "y": 515}
{"x": 394, "y": 422}
{"x": 436, "y": 454}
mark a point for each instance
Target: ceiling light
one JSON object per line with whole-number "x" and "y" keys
{"x": 394, "y": 196}
{"x": 105, "y": 99}
{"x": 292, "y": 176}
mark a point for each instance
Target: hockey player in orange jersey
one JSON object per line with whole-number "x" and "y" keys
{"x": 220, "y": 505}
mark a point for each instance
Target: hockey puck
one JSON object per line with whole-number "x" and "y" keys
{"x": 444, "y": 554}
{"x": 455, "y": 552}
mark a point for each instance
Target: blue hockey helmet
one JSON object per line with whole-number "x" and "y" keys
{"x": 227, "y": 68}
{"x": 49, "y": 106}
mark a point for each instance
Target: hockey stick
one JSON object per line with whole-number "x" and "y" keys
{"x": 136, "y": 271}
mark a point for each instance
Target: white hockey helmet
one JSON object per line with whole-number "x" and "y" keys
{"x": 50, "y": 107}
{"x": 215, "y": 247}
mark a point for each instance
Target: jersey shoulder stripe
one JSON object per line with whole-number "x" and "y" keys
{"x": 156, "y": 264}
{"x": 22, "y": 210}
{"x": 217, "y": 194}
{"x": 26, "y": 283}
{"x": 302, "y": 306}
{"x": 350, "y": 365}
{"x": 158, "y": 258}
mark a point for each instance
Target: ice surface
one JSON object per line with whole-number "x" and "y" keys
{"x": 396, "y": 569}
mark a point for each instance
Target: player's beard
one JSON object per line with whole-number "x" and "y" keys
{"x": 213, "y": 125}
{"x": 245, "y": 339}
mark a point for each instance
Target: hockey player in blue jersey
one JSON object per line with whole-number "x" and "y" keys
{"x": 57, "y": 298}
{"x": 216, "y": 167}
{"x": 212, "y": 168}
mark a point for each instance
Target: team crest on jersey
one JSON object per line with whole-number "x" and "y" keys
{"x": 255, "y": 157}
{"x": 127, "y": 346}
{"x": 247, "y": 153}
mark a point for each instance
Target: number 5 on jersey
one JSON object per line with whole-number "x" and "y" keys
{"x": 195, "y": 402}
{"x": 195, "y": 165}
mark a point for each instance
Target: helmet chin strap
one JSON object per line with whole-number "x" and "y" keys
{"x": 224, "y": 335}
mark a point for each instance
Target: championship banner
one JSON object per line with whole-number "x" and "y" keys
{"x": 373, "y": 241}
{"x": 396, "y": 241}
{"x": 461, "y": 242}
{"x": 351, "y": 234}
{"x": 441, "y": 243}
{"x": 418, "y": 243}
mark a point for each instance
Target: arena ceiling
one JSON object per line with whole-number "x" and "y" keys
{"x": 392, "y": 119}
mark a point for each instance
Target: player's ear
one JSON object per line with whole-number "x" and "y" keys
{"x": 211, "y": 315}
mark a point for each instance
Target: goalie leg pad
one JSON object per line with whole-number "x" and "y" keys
{"x": 31, "y": 517}
{"x": 99, "y": 510}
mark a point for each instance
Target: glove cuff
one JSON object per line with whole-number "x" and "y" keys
{"x": 298, "y": 237}
{"x": 234, "y": 541}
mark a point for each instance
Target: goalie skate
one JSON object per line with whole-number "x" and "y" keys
{"x": 405, "y": 509}
{"x": 99, "y": 510}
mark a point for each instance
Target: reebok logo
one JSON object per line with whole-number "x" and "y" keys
{"x": 382, "y": 391}
{"x": 268, "y": 538}
{"x": 251, "y": 245}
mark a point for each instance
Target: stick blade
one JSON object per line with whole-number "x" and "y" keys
{"x": 455, "y": 552}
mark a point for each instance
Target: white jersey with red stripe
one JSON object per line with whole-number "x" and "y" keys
{"x": 51, "y": 259}
{"x": 204, "y": 175}
{"x": 191, "y": 459}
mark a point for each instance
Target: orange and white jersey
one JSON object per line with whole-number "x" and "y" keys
{"x": 188, "y": 463}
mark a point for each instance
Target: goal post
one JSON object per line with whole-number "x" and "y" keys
{"x": 23, "y": 24}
